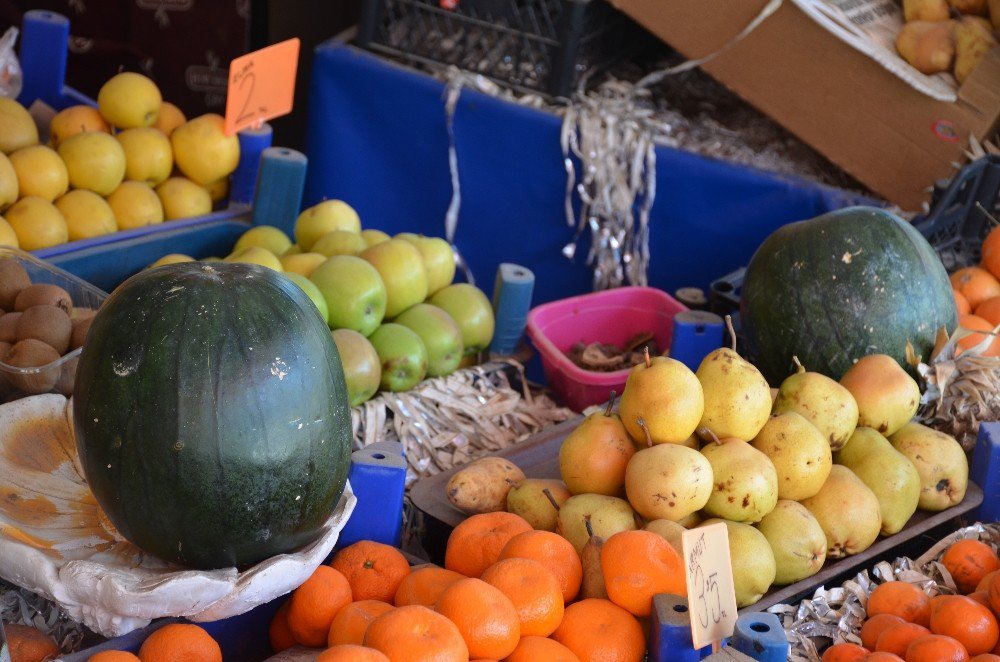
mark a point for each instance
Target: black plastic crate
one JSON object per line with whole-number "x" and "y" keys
{"x": 540, "y": 46}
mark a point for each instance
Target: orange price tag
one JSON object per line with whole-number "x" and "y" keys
{"x": 261, "y": 86}
{"x": 710, "y": 591}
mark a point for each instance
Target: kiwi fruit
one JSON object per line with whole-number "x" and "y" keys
{"x": 32, "y": 353}
{"x": 80, "y": 329}
{"x": 49, "y": 324}
{"x": 8, "y": 327}
{"x": 43, "y": 295}
{"x": 13, "y": 279}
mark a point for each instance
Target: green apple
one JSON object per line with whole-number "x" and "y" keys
{"x": 339, "y": 242}
{"x": 94, "y": 161}
{"x": 327, "y": 216}
{"x": 473, "y": 312}
{"x": 256, "y": 255}
{"x": 312, "y": 292}
{"x": 182, "y": 198}
{"x": 148, "y": 155}
{"x": 354, "y": 293}
{"x": 402, "y": 355}
{"x": 265, "y": 236}
{"x": 402, "y": 270}
{"x": 373, "y": 237}
{"x": 362, "y": 367}
{"x": 439, "y": 259}
{"x": 441, "y": 336}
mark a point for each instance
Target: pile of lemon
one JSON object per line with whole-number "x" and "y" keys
{"x": 133, "y": 161}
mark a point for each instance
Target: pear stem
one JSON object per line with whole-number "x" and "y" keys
{"x": 641, "y": 422}
{"x": 552, "y": 499}
{"x": 590, "y": 527}
{"x": 706, "y": 433}
{"x": 645, "y": 354}
{"x": 732, "y": 331}
{"x": 799, "y": 368}
{"x": 611, "y": 404}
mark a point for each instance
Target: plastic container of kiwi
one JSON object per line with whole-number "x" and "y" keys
{"x": 59, "y": 375}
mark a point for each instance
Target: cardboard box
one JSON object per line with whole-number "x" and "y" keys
{"x": 891, "y": 137}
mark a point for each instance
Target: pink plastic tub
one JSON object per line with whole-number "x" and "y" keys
{"x": 612, "y": 316}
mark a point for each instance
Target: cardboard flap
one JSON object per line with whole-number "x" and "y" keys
{"x": 981, "y": 91}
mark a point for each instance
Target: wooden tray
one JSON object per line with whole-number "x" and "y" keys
{"x": 538, "y": 457}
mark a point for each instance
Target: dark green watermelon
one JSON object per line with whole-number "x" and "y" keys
{"x": 211, "y": 414}
{"x": 849, "y": 283}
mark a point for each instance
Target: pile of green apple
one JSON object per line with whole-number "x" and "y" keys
{"x": 394, "y": 312}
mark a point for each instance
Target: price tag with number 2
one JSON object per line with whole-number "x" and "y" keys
{"x": 261, "y": 86}
{"x": 710, "y": 591}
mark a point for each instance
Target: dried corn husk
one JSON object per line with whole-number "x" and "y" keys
{"x": 836, "y": 615}
{"x": 451, "y": 420}
{"x": 960, "y": 392}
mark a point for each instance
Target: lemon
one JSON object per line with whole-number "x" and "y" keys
{"x": 7, "y": 235}
{"x": 256, "y": 255}
{"x": 373, "y": 237}
{"x": 8, "y": 183}
{"x": 135, "y": 205}
{"x": 170, "y": 118}
{"x": 339, "y": 242}
{"x": 17, "y": 128}
{"x": 172, "y": 258}
{"x": 40, "y": 172}
{"x": 302, "y": 263}
{"x": 73, "y": 120}
{"x": 218, "y": 190}
{"x": 87, "y": 214}
{"x": 265, "y": 236}
{"x": 182, "y": 198}
{"x": 129, "y": 100}
{"x": 94, "y": 160}
{"x": 202, "y": 151}
{"x": 148, "y": 155}
{"x": 325, "y": 217}
{"x": 37, "y": 223}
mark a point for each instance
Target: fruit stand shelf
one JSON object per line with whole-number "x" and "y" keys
{"x": 538, "y": 457}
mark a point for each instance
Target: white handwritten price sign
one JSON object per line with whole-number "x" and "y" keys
{"x": 710, "y": 592}
{"x": 261, "y": 86}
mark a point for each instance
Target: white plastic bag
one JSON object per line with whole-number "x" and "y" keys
{"x": 10, "y": 67}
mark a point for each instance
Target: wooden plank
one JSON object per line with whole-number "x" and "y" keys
{"x": 538, "y": 457}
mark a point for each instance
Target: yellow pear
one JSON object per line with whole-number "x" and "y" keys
{"x": 752, "y": 561}
{"x": 607, "y": 515}
{"x": 322, "y": 218}
{"x": 667, "y": 481}
{"x": 265, "y": 236}
{"x": 594, "y": 455}
{"x": 800, "y": 454}
{"x": 745, "y": 482}
{"x": 822, "y": 401}
{"x": 73, "y": 120}
{"x": 170, "y": 118}
{"x": 848, "y": 511}
{"x": 887, "y": 396}
{"x": 135, "y": 205}
{"x": 973, "y": 40}
{"x": 148, "y": 155}
{"x": 940, "y": 462}
{"x": 669, "y": 530}
{"x": 888, "y": 474}
{"x": 531, "y": 500}
{"x": 94, "y": 160}
{"x": 797, "y": 541}
{"x": 994, "y": 13}
{"x": 302, "y": 263}
{"x": 17, "y": 128}
{"x": 8, "y": 183}
{"x": 928, "y": 47}
{"x": 976, "y": 7}
{"x": 129, "y": 100}
{"x": 7, "y": 235}
{"x": 925, "y": 10}
{"x": 37, "y": 224}
{"x": 40, "y": 172}
{"x": 202, "y": 150}
{"x": 182, "y": 198}
{"x": 87, "y": 214}
{"x": 667, "y": 396}
{"x": 592, "y": 584}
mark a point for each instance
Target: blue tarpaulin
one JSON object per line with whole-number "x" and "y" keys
{"x": 377, "y": 138}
